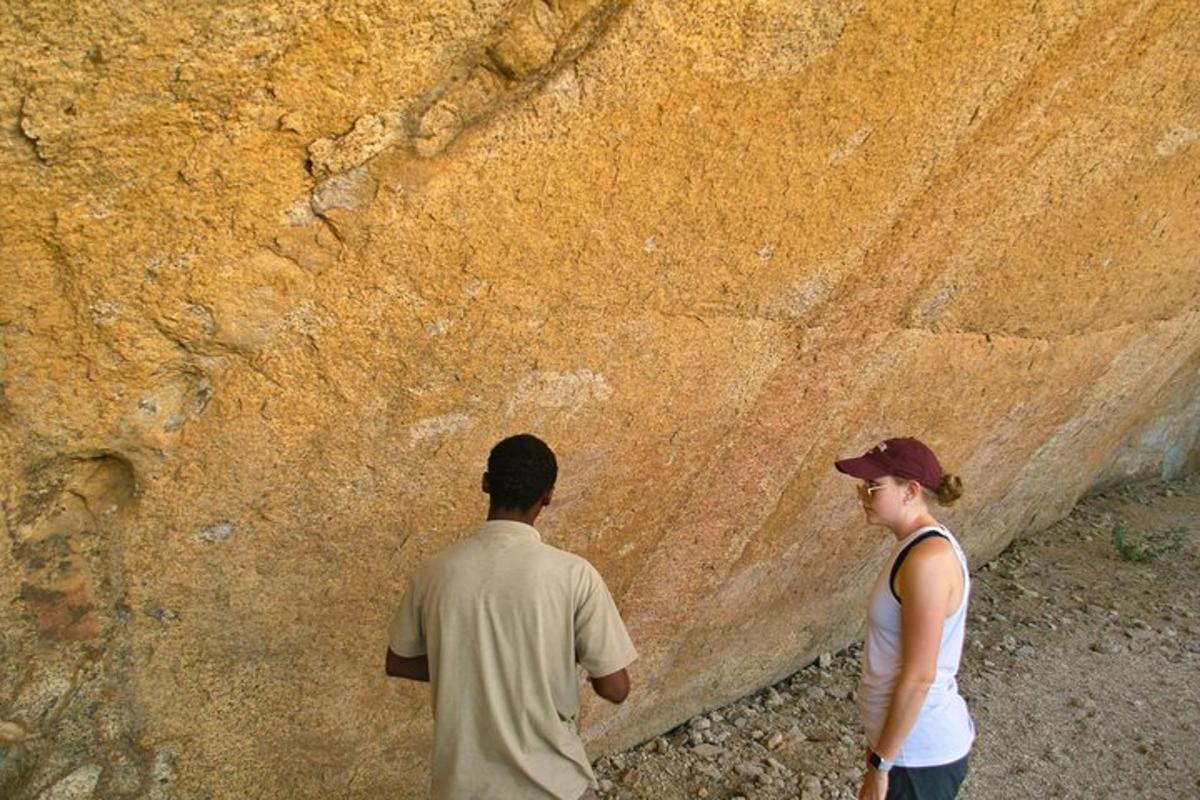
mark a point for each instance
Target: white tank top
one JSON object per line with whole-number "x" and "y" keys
{"x": 943, "y": 732}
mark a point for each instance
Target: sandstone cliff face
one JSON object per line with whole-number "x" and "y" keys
{"x": 275, "y": 277}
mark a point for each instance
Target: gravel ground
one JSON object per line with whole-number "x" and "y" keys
{"x": 1081, "y": 669}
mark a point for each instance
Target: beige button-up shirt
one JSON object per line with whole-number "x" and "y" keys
{"x": 504, "y": 618}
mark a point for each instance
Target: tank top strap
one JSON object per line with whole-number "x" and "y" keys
{"x": 913, "y": 539}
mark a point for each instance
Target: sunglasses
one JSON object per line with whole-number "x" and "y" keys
{"x": 866, "y": 492}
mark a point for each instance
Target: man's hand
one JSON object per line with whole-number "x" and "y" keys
{"x": 614, "y": 687}
{"x": 875, "y": 785}
{"x": 414, "y": 669}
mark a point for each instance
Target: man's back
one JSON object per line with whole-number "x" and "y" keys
{"x": 504, "y": 619}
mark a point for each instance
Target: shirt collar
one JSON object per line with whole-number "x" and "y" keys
{"x": 508, "y": 527}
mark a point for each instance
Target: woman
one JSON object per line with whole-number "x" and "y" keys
{"x": 917, "y": 724}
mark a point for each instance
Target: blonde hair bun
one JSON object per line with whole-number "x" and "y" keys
{"x": 950, "y": 489}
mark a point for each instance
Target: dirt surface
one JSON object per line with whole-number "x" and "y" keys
{"x": 1081, "y": 669}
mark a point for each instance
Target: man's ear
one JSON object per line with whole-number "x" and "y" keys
{"x": 547, "y": 496}
{"x": 485, "y": 485}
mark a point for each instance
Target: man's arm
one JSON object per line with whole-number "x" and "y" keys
{"x": 613, "y": 687}
{"x": 406, "y": 634}
{"x": 602, "y": 645}
{"x": 414, "y": 669}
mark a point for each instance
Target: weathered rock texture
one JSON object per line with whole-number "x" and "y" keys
{"x": 275, "y": 277}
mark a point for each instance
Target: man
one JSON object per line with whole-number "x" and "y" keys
{"x": 497, "y": 624}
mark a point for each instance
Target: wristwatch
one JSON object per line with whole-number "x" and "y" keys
{"x": 880, "y": 763}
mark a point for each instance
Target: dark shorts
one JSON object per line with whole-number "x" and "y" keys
{"x": 927, "y": 783}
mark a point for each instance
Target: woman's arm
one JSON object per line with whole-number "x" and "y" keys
{"x": 925, "y": 585}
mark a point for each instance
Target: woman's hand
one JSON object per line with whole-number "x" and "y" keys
{"x": 875, "y": 785}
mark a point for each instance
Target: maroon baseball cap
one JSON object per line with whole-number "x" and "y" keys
{"x": 903, "y": 458}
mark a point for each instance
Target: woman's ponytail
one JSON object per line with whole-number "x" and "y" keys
{"x": 949, "y": 490}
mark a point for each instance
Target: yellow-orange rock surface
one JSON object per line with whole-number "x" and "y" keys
{"x": 276, "y": 276}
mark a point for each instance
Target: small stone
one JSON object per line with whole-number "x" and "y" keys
{"x": 606, "y": 785}
{"x": 164, "y": 615}
{"x": 708, "y": 750}
{"x": 1058, "y": 756}
{"x": 78, "y": 785}
{"x": 12, "y": 732}
{"x": 1024, "y": 651}
{"x": 775, "y": 740}
{"x": 162, "y": 771}
{"x": 825, "y": 660}
{"x": 700, "y": 724}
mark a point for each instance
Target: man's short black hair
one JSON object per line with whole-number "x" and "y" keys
{"x": 520, "y": 470}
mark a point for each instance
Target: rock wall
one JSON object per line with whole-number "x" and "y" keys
{"x": 276, "y": 276}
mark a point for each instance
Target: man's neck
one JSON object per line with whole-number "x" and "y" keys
{"x": 514, "y": 514}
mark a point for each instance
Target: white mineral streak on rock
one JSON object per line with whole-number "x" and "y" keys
{"x": 437, "y": 427}
{"x": 565, "y": 390}
{"x": 1178, "y": 138}
{"x": 754, "y": 45}
{"x": 852, "y": 144}
{"x": 298, "y": 213}
{"x": 342, "y": 191}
